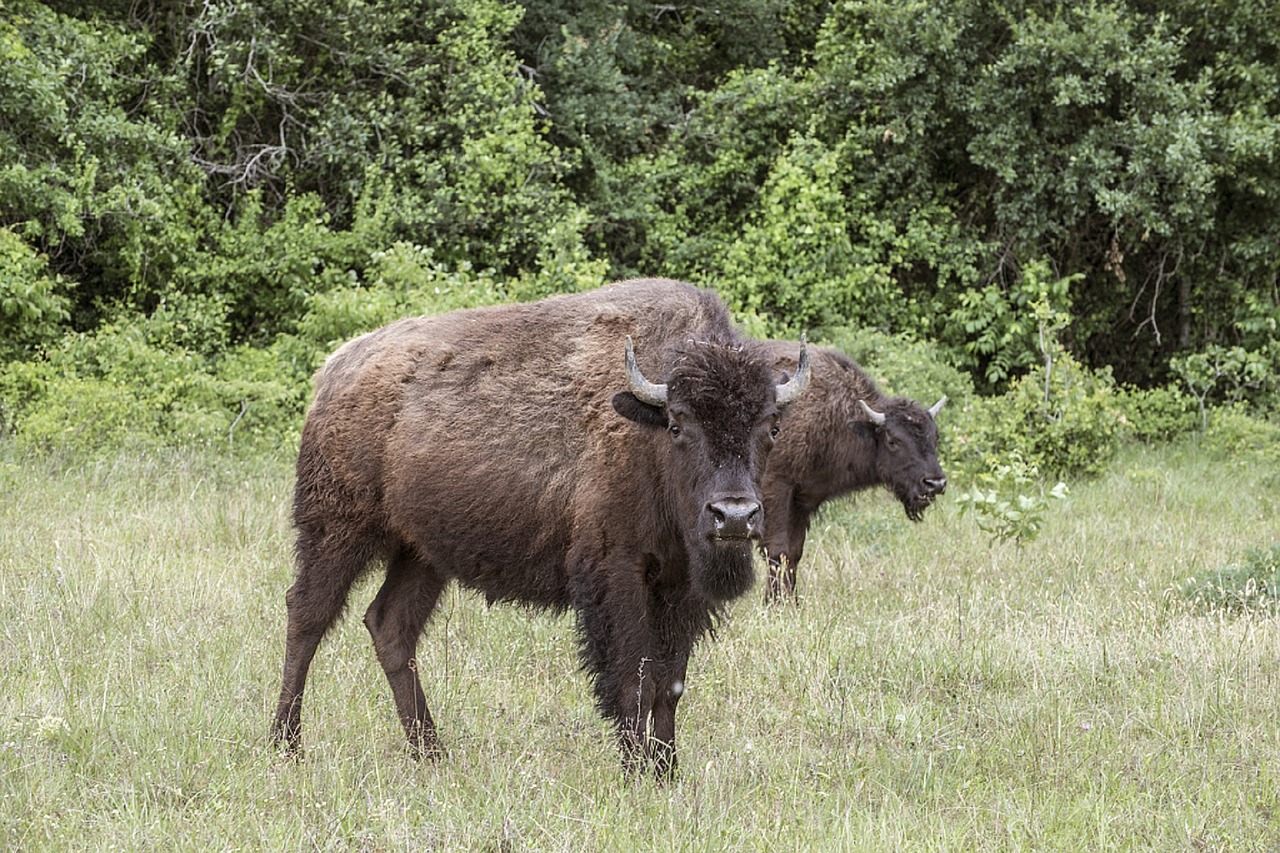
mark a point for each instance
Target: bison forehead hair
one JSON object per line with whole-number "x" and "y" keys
{"x": 912, "y": 419}
{"x": 723, "y": 386}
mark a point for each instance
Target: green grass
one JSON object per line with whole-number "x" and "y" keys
{"x": 932, "y": 691}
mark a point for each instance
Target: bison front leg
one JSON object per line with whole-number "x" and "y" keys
{"x": 647, "y": 715}
{"x": 782, "y": 579}
{"x": 635, "y": 709}
{"x": 662, "y": 742}
{"x": 783, "y": 550}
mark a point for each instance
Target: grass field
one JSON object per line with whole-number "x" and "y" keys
{"x": 933, "y": 692}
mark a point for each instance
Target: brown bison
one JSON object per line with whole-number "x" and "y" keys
{"x": 521, "y": 451}
{"x": 844, "y": 436}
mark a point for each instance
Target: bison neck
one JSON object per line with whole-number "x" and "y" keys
{"x": 827, "y": 470}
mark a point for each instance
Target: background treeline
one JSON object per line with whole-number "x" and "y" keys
{"x": 1065, "y": 216}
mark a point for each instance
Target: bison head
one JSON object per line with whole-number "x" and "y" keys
{"x": 906, "y": 439}
{"x": 720, "y": 408}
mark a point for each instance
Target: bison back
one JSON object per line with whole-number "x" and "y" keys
{"x": 484, "y": 439}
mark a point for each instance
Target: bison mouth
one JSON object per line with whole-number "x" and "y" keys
{"x": 724, "y": 540}
{"x": 916, "y": 503}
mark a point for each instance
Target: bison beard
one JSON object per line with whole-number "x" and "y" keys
{"x": 486, "y": 447}
{"x": 727, "y": 571}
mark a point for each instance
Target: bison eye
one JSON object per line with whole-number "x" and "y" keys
{"x": 773, "y": 432}
{"x": 674, "y": 429}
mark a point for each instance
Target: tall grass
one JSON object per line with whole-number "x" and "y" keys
{"x": 931, "y": 692}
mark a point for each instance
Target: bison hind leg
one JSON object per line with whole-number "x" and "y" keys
{"x": 325, "y": 574}
{"x": 395, "y": 620}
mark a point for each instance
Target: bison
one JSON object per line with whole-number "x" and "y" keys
{"x": 520, "y": 450}
{"x": 844, "y": 436}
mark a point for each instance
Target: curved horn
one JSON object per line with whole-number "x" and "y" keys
{"x": 876, "y": 417}
{"x": 791, "y": 389}
{"x": 937, "y": 407}
{"x": 645, "y": 391}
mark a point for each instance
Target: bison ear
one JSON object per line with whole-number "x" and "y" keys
{"x": 629, "y": 406}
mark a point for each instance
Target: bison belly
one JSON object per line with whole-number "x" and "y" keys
{"x": 495, "y": 518}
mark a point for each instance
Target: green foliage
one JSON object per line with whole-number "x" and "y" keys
{"x": 407, "y": 279}
{"x": 1157, "y": 415}
{"x": 797, "y": 264}
{"x": 33, "y": 302}
{"x": 138, "y": 386}
{"x": 973, "y": 173}
{"x": 1231, "y": 375}
{"x": 1238, "y": 435}
{"x": 900, "y": 364}
{"x": 667, "y": 116}
{"x": 263, "y": 273}
{"x": 102, "y": 186}
{"x": 1004, "y": 331}
{"x": 1248, "y": 587}
{"x": 678, "y": 208}
{"x": 1112, "y": 140}
{"x": 1067, "y": 423}
{"x": 1061, "y": 416}
{"x": 1008, "y": 500}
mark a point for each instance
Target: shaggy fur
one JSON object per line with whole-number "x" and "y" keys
{"x": 829, "y": 448}
{"x": 499, "y": 447}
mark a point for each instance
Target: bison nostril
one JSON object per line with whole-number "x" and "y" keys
{"x": 735, "y": 518}
{"x": 937, "y": 485}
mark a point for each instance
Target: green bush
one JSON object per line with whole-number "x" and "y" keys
{"x": 1009, "y": 329}
{"x": 1068, "y": 424}
{"x": 1236, "y": 433}
{"x": 900, "y": 364}
{"x": 1159, "y": 414}
{"x": 1008, "y": 499}
{"x": 132, "y": 385}
{"x": 33, "y": 301}
{"x": 1219, "y": 374}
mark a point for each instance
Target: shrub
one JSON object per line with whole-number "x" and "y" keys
{"x": 1235, "y": 433}
{"x": 122, "y": 387}
{"x": 1158, "y": 414}
{"x": 1219, "y": 374}
{"x": 1067, "y": 423}
{"x": 33, "y": 303}
{"x": 1008, "y": 500}
{"x": 900, "y": 364}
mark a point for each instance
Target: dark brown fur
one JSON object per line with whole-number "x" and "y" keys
{"x": 500, "y": 448}
{"x": 830, "y": 448}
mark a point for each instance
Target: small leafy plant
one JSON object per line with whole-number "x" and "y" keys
{"x": 1009, "y": 501}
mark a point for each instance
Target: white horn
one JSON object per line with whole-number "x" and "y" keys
{"x": 876, "y": 417}
{"x": 794, "y": 387}
{"x": 645, "y": 391}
